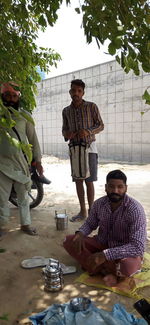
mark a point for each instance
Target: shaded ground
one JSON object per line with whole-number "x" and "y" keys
{"x": 21, "y": 290}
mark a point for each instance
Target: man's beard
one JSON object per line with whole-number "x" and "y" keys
{"x": 113, "y": 197}
{"x": 10, "y": 104}
{"x": 75, "y": 98}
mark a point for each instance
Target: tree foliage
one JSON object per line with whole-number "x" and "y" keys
{"x": 126, "y": 24}
{"x": 20, "y": 21}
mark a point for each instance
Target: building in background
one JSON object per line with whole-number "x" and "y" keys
{"x": 126, "y": 136}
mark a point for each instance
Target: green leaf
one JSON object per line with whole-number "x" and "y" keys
{"x": 146, "y": 67}
{"x": 146, "y": 96}
{"x": 30, "y": 8}
{"x": 2, "y": 250}
{"x": 147, "y": 18}
{"x": 78, "y": 10}
{"x": 118, "y": 42}
{"x": 27, "y": 149}
{"x": 112, "y": 48}
{"x": 127, "y": 69}
{"x": 14, "y": 111}
{"x": 4, "y": 317}
{"x": 27, "y": 117}
{"x": 118, "y": 59}
{"x": 13, "y": 141}
{"x": 42, "y": 21}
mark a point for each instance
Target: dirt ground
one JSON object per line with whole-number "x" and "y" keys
{"x": 21, "y": 290}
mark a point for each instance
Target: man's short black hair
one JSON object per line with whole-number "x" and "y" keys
{"x": 116, "y": 174}
{"x": 78, "y": 82}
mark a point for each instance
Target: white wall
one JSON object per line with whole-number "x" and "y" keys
{"x": 126, "y": 136}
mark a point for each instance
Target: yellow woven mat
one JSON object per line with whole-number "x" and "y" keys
{"x": 130, "y": 287}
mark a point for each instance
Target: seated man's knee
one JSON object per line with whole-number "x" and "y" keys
{"x": 130, "y": 266}
{"x": 67, "y": 241}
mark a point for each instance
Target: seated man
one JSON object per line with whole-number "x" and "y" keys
{"x": 117, "y": 249}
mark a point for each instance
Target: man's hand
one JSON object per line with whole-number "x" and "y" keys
{"x": 96, "y": 259}
{"x": 39, "y": 168}
{"x": 78, "y": 242}
{"x": 83, "y": 133}
{"x": 69, "y": 135}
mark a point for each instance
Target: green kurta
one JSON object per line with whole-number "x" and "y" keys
{"x": 12, "y": 161}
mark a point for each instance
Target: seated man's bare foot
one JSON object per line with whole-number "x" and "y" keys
{"x": 110, "y": 280}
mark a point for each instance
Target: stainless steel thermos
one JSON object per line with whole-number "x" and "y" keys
{"x": 53, "y": 276}
{"x": 61, "y": 219}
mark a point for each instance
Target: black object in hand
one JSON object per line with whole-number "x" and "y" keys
{"x": 143, "y": 308}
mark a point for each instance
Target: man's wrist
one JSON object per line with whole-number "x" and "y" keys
{"x": 103, "y": 254}
{"x": 90, "y": 131}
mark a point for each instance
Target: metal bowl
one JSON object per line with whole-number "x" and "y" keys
{"x": 79, "y": 304}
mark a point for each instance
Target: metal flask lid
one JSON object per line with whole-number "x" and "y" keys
{"x": 61, "y": 214}
{"x": 54, "y": 263}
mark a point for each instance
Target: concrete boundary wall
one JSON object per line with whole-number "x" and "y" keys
{"x": 126, "y": 136}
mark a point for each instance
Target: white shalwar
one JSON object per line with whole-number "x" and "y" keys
{"x": 14, "y": 169}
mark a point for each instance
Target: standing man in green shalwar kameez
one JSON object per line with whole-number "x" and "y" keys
{"x": 14, "y": 168}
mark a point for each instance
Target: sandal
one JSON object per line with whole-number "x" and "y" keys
{"x": 29, "y": 230}
{"x": 37, "y": 261}
{"x": 78, "y": 217}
